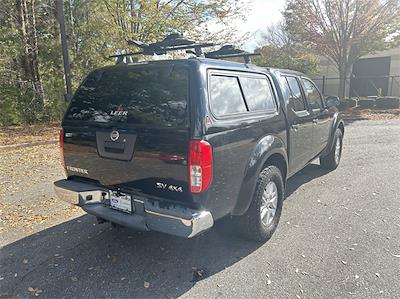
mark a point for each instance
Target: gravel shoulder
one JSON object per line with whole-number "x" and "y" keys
{"x": 338, "y": 236}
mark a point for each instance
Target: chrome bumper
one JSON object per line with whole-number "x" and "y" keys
{"x": 148, "y": 215}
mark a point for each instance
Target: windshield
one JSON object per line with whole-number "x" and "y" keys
{"x": 153, "y": 95}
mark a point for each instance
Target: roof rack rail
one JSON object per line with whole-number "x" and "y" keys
{"x": 173, "y": 42}
{"x": 229, "y": 51}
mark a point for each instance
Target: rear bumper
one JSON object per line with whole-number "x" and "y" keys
{"x": 175, "y": 220}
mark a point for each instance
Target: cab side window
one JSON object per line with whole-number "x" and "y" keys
{"x": 258, "y": 94}
{"x": 226, "y": 96}
{"x": 296, "y": 98}
{"x": 313, "y": 95}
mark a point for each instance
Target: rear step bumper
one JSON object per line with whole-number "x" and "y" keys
{"x": 148, "y": 215}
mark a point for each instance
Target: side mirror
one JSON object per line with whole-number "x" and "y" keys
{"x": 332, "y": 101}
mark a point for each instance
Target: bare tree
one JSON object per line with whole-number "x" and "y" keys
{"x": 29, "y": 43}
{"x": 280, "y": 50}
{"x": 344, "y": 30}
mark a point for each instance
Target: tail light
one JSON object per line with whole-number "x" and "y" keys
{"x": 200, "y": 165}
{"x": 61, "y": 143}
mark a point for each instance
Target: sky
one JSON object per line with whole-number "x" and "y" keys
{"x": 262, "y": 14}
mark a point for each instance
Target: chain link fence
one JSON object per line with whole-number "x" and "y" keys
{"x": 361, "y": 86}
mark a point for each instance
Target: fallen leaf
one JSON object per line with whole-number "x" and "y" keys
{"x": 199, "y": 274}
{"x": 34, "y": 291}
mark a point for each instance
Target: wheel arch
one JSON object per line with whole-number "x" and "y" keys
{"x": 275, "y": 154}
{"x": 280, "y": 162}
{"x": 337, "y": 123}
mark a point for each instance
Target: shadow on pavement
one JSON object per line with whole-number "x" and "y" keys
{"x": 81, "y": 258}
{"x": 310, "y": 172}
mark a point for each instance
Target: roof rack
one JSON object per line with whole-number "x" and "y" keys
{"x": 175, "y": 42}
{"x": 229, "y": 51}
{"x": 172, "y": 42}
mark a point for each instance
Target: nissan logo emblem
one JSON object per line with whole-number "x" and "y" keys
{"x": 114, "y": 135}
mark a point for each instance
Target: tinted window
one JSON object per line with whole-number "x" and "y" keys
{"x": 154, "y": 95}
{"x": 313, "y": 96}
{"x": 296, "y": 98}
{"x": 258, "y": 94}
{"x": 226, "y": 96}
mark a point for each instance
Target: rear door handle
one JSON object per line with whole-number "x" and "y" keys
{"x": 315, "y": 120}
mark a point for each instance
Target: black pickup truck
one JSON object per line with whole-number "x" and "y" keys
{"x": 175, "y": 145}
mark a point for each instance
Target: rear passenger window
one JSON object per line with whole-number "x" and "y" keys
{"x": 258, "y": 94}
{"x": 296, "y": 98}
{"x": 226, "y": 96}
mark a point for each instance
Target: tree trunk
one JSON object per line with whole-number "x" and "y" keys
{"x": 343, "y": 69}
{"x": 39, "y": 92}
{"x": 29, "y": 59}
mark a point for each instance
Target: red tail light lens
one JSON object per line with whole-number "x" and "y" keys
{"x": 61, "y": 143}
{"x": 200, "y": 165}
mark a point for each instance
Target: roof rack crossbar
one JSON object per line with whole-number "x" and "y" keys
{"x": 173, "y": 42}
{"x": 245, "y": 56}
{"x": 229, "y": 51}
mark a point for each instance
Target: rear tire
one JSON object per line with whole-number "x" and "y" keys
{"x": 332, "y": 160}
{"x": 262, "y": 218}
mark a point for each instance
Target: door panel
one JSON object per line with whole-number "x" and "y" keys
{"x": 301, "y": 126}
{"x": 322, "y": 127}
{"x": 320, "y": 117}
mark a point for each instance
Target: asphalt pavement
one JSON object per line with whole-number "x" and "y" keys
{"x": 339, "y": 236}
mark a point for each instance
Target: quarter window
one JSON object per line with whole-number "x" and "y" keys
{"x": 313, "y": 95}
{"x": 296, "y": 99}
{"x": 258, "y": 94}
{"x": 226, "y": 96}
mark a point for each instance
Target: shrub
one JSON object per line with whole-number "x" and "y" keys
{"x": 351, "y": 103}
{"x": 387, "y": 103}
{"x": 343, "y": 105}
{"x": 366, "y": 103}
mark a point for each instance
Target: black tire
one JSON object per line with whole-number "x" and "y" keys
{"x": 250, "y": 224}
{"x": 329, "y": 161}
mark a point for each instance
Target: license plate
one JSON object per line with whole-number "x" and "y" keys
{"x": 121, "y": 201}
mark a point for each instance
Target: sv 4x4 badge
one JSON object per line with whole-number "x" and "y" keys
{"x": 169, "y": 187}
